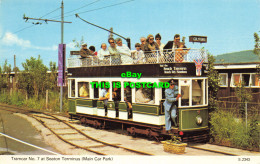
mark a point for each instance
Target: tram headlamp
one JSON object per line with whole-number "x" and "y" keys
{"x": 199, "y": 120}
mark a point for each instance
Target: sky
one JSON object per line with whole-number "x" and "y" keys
{"x": 228, "y": 24}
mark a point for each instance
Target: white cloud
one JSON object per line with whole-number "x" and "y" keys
{"x": 10, "y": 39}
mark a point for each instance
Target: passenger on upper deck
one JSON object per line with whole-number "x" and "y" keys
{"x": 115, "y": 55}
{"x": 143, "y": 42}
{"x": 124, "y": 52}
{"x": 178, "y": 47}
{"x": 151, "y": 45}
{"x": 138, "y": 54}
{"x": 158, "y": 41}
{"x": 84, "y": 51}
{"x": 103, "y": 52}
{"x": 92, "y": 50}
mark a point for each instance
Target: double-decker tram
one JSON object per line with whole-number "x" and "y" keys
{"x": 142, "y": 84}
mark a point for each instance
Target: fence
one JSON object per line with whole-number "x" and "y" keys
{"x": 165, "y": 56}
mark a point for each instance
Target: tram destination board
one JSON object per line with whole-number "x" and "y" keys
{"x": 147, "y": 70}
{"x": 200, "y": 39}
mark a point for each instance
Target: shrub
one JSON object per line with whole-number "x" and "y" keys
{"x": 231, "y": 131}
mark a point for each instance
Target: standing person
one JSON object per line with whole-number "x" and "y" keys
{"x": 116, "y": 98}
{"x": 170, "y": 107}
{"x": 103, "y": 54}
{"x": 151, "y": 45}
{"x": 84, "y": 51}
{"x": 92, "y": 50}
{"x": 128, "y": 100}
{"x": 124, "y": 51}
{"x": 158, "y": 39}
{"x": 115, "y": 55}
{"x": 138, "y": 55}
{"x": 143, "y": 42}
{"x": 105, "y": 97}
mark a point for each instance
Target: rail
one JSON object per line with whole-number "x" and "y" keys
{"x": 153, "y": 57}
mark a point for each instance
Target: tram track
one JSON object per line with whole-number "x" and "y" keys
{"x": 83, "y": 137}
{"x": 213, "y": 151}
{"x": 43, "y": 116}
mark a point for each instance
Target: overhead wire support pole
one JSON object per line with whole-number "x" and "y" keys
{"x": 62, "y": 28}
{"x": 127, "y": 39}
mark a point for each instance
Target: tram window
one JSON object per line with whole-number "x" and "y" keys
{"x": 83, "y": 88}
{"x": 116, "y": 91}
{"x": 185, "y": 95}
{"x": 197, "y": 92}
{"x": 144, "y": 95}
{"x": 245, "y": 79}
{"x": 223, "y": 79}
{"x": 255, "y": 80}
{"x": 96, "y": 91}
{"x": 72, "y": 91}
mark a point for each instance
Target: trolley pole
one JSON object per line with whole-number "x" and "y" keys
{"x": 62, "y": 28}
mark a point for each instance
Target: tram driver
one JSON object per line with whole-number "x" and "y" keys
{"x": 170, "y": 104}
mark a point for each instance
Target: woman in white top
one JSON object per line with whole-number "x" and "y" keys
{"x": 124, "y": 51}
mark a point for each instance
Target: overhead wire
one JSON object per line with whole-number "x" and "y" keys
{"x": 97, "y": 8}
{"x": 58, "y": 16}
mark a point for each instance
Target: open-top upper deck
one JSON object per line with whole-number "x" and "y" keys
{"x": 156, "y": 64}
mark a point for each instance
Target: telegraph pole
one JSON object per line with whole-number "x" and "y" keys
{"x": 62, "y": 31}
{"x": 62, "y": 27}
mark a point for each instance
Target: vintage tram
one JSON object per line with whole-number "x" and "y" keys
{"x": 147, "y": 117}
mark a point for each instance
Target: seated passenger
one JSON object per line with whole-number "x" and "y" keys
{"x": 140, "y": 97}
{"x": 138, "y": 54}
{"x": 83, "y": 91}
{"x": 115, "y": 55}
{"x": 84, "y": 51}
{"x": 124, "y": 52}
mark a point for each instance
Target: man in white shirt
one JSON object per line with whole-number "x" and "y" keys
{"x": 124, "y": 51}
{"x": 103, "y": 54}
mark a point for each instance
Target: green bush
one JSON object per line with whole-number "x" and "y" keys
{"x": 232, "y": 131}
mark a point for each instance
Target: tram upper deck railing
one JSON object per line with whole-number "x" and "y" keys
{"x": 154, "y": 57}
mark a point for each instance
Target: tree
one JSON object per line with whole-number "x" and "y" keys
{"x": 52, "y": 76}
{"x": 78, "y": 43}
{"x": 213, "y": 78}
{"x": 257, "y": 45}
{"x": 33, "y": 78}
